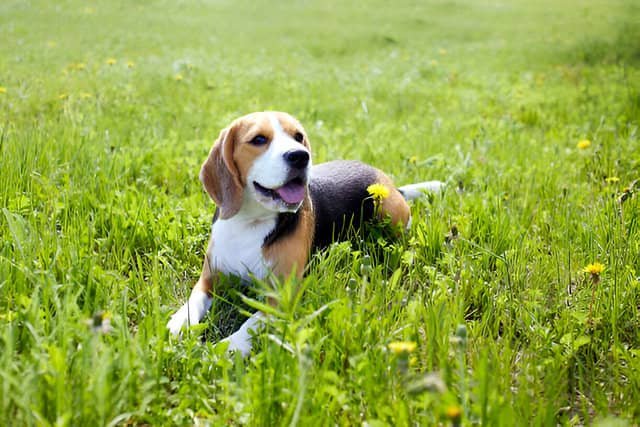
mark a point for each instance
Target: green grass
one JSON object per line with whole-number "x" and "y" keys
{"x": 101, "y": 210}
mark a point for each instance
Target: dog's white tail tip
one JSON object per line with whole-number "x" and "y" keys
{"x": 417, "y": 190}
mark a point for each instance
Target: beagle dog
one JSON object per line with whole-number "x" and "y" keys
{"x": 274, "y": 208}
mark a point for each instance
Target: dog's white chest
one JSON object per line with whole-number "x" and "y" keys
{"x": 237, "y": 247}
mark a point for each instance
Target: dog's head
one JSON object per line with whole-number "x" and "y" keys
{"x": 265, "y": 156}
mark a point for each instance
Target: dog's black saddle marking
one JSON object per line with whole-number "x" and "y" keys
{"x": 340, "y": 199}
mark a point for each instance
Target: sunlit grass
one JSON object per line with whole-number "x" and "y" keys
{"x": 513, "y": 299}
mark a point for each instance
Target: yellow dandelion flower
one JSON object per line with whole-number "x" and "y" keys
{"x": 413, "y": 160}
{"x": 583, "y": 144}
{"x": 131, "y": 64}
{"x": 111, "y": 61}
{"x": 63, "y": 96}
{"x": 178, "y": 77}
{"x": 3, "y": 89}
{"x": 612, "y": 179}
{"x": 453, "y": 412}
{"x": 595, "y": 269}
{"x": 80, "y": 66}
{"x": 85, "y": 95}
{"x": 402, "y": 347}
{"x": 378, "y": 191}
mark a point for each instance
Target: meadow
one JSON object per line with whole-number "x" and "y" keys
{"x": 513, "y": 300}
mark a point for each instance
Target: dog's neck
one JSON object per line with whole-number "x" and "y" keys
{"x": 252, "y": 213}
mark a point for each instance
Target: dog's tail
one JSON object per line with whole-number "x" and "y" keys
{"x": 417, "y": 190}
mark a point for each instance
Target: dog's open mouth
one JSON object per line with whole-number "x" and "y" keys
{"x": 291, "y": 193}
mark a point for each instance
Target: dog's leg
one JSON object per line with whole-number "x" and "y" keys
{"x": 395, "y": 206}
{"x": 240, "y": 340}
{"x": 199, "y": 303}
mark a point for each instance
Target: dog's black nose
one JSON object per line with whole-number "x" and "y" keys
{"x": 298, "y": 159}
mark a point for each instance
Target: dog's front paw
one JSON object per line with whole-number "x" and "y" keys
{"x": 191, "y": 313}
{"x": 239, "y": 341}
{"x": 180, "y": 319}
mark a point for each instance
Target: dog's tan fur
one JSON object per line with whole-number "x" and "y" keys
{"x": 290, "y": 254}
{"x": 394, "y": 206}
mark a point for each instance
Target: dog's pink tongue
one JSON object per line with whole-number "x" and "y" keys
{"x": 291, "y": 193}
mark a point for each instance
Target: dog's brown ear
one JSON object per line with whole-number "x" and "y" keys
{"x": 307, "y": 143}
{"x": 219, "y": 175}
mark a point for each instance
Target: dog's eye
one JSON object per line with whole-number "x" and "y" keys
{"x": 259, "y": 140}
{"x": 298, "y": 136}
